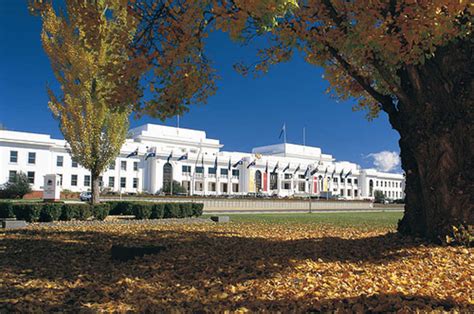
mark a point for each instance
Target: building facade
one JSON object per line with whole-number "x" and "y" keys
{"x": 154, "y": 155}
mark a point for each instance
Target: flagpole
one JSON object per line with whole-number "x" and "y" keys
{"x": 284, "y": 135}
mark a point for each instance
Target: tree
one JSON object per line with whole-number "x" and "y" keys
{"x": 409, "y": 59}
{"x": 89, "y": 46}
{"x": 178, "y": 189}
{"x": 17, "y": 187}
{"x": 379, "y": 197}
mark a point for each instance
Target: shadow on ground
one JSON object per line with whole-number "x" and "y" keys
{"x": 192, "y": 260}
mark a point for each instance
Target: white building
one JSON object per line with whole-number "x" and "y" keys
{"x": 198, "y": 163}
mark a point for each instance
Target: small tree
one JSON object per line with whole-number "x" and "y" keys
{"x": 17, "y": 187}
{"x": 89, "y": 49}
{"x": 177, "y": 188}
{"x": 379, "y": 197}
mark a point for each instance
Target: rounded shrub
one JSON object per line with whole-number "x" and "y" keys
{"x": 27, "y": 211}
{"x": 100, "y": 211}
{"x": 158, "y": 211}
{"x": 197, "y": 209}
{"x": 142, "y": 210}
{"x": 50, "y": 212}
{"x": 6, "y": 210}
{"x": 172, "y": 210}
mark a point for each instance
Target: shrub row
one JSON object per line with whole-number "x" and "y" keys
{"x": 150, "y": 210}
{"x": 45, "y": 212}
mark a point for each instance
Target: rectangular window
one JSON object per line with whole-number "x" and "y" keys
{"x": 199, "y": 170}
{"x": 356, "y": 181}
{"x": 286, "y": 186}
{"x": 31, "y": 177}
{"x": 385, "y": 183}
{"x": 342, "y": 180}
{"x": 212, "y": 186}
{"x": 224, "y": 187}
{"x": 301, "y": 186}
{"x": 301, "y": 176}
{"x": 135, "y": 183}
{"x": 112, "y": 165}
{"x": 235, "y": 173}
{"x": 198, "y": 186}
{"x": 349, "y": 181}
{"x": 376, "y": 183}
{"x": 87, "y": 180}
{"x": 11, "y": 175}
{"x": 356, "y": 193}
{"x": 74, "y": 180}
{"x": 32, "y": 158}
{"x": 186, "y": 170}
{"x": 235, "y": 187}
{"x": 135, "y": 166}
{"x": 186, "y": 185}
{"x": 211, "y": 171}
{"x": 74, "y": 164}
{"x": 123, "y": 165}
{"x": 349, "y": 192}
{"x": 224, "y": 171}
{"x": 13, "y": 156}
{"x": 334, "y": 180}
{"x": 101, "y": 181}
{"x": 288, "y": 176}
{"x": 60, "y": 179}
{"x": 59, "y": 161}
{"x": 111, "y": 182}
{"x": 123, "y": 182}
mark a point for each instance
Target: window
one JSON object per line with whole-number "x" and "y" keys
{"x": 235, "y": 187}
{"x": 186, "y": 169}
{"x": 11, "y": 175}
{"x": 235, "y": 173}
{"x": 135, "y": 166}
{"x": 60, "y": 179}
{"x": 224, "y": 187}
{"x": 74, "y": 180}
{"x": 123, "y": 182}
{"x": 301, "y": 186}
{"x": 301, "y": 176}
{"x": 224, "y": 171}
{"x": 286, "y": 185}
{"x": 349, "y": 192}
{"x": 87, "y": 180}
{"x": 59, "y": 161}
{"x": 385, "y": 183}
{"x": 356, "y": 193}
{"x": 111, "y": 182}
{"x": 349, "y": 181}
{"x": 211, "y": 170}
{"x": 342, "y": 192}
{"x": 212, "y": 186}
{"x": 112, "y": 166}
{"x": 13, "y": 156}
{"x": 342, "y": 180}
{"x": 356, "y": 181}
{"x": 135, "y": 183}
{"x": 74, "y": 164}
{"x": 199, "y": 170}
{"x": 101, "y": 181}
{"x": 198, "y": 186}
{"x": 376, "y": 183}
{"x": 32, "y": 158}
{"x": 334, "y": 180}
{"x": 123, "y": 165}
{"x": 288, "y": 176}
{"x": 186, "y": 185}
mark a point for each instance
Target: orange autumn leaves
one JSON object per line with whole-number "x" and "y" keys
{"x": 237, "y": 267}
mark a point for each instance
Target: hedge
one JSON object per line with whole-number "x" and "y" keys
{"x": 45, "y": 212}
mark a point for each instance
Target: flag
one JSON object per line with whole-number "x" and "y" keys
{"x": 184, "y": 157}
{"x": 238, "y": 163}
{"x": 348, "y": 174}
{"x": 230, "y": 164}
{"x": 251, "y": 164}
{"x": 150, "y": 154}
{"x": 276, "y": 167}
{"x": 170, "y": 156}
{"x": 315, "y": 170}
{"x": 134, "y": 153}
{"x": 306, "y": 172}
{"x": 283, "y": 130}
{"x": 297, "y": 168}
{"x": 340, "y": 175}
{"x": 326, "y": 171}
{"x": 333, "y": 173}
{"x": 287, "y": 167}
{"x": 215, "y": 164}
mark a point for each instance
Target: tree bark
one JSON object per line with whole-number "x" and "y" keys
{"x": 437, "y": 143}
{"x": 95, "y": 199}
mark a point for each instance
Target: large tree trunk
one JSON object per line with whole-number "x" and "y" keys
{"x": 95, "y": 189}
{"x": 437, "y": 143}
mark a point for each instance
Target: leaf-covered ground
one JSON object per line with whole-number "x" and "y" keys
{"x": 240, "y": 266}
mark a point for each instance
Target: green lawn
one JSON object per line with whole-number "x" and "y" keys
{"x": 358, "y": 220}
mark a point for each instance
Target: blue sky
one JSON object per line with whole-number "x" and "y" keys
{"x": 246, "y": 112}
